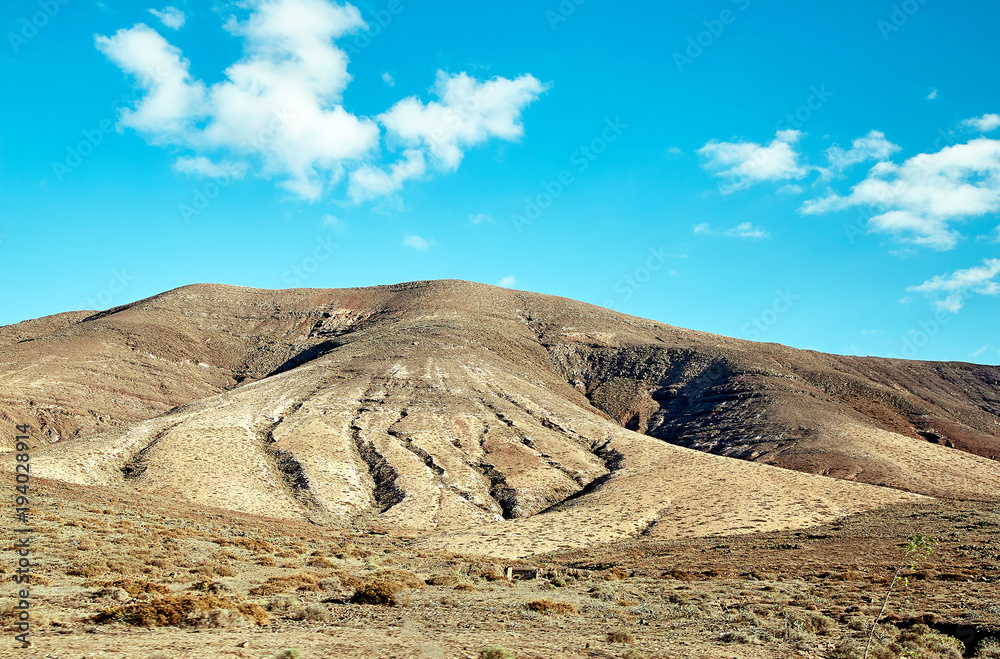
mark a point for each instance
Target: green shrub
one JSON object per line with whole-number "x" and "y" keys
{"x": 496, "y": 652}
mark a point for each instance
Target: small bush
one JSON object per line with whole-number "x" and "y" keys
{"x": 620, "y": 636}
{"x": 380, "y": 591}
{"x": 550, "y": 606}
{"x": 290, "y": 653}
{"x": 988, "y": 649}
{"x": 496, "y": 652}
{"x": 602, "y": 591}
{"x": 313, "y": 613}
{"x": 632, "y": 653}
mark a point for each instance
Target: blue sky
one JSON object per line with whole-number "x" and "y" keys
{"x": 824, "y": 175}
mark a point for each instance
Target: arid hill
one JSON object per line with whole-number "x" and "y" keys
{"x": 444, "y": 408}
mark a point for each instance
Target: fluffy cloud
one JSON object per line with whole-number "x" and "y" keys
{"x": 280, "y": 108}
{"x": 743, "y": 230}
{"x": 173, "y": 102}
{"x": 507, "y": 282}
{"x": 873, "y": 146}
{"x": 171, "y": 17}
{"x": 920, "y": 199}
{"x": 984, "y": 124}
{"x": 742, "y": 164}
{"x": 416, "y": 242}
{"x": 949, "y": 291}
{"x": 481, "y": 218}
{"x": 438, "y": 133}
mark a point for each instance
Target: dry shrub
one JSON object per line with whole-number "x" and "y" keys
{"x": 809, "y": 621}
{"x": 922, "y": 641}
{"x": 265, "y": 561}
{"x": 551, "y": 606}
{"x": 464, "y": 585}
{"x": 405, "y": 577}
{"x": 620, "y": 636}
{"x": 632, "y": 653}
{"x": 385, "y": 588}
{"x": 176, "y": 611}
{"x": 135, "y": 587}
{"x": 254, "y": 612}
{"x": 988, "y": 649}
{"x": 40, "y": 580}
{"x": 320, "y": 562}
{"x": 445, "y": 580}
{"x": 312, "y": 612}
{"x": 282, "y": 584}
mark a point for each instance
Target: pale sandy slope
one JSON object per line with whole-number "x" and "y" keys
{"x": 445, "y": 445}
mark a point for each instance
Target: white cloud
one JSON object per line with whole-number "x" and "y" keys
{"x": 481, "y": 218}
{"x": 980, "y": 351}
{"x": 388, "y": 79}
{"x": 416, "y": 242}
{"x": 369, "y": 182}
{"x": 507, "y": 282}
{"x": 279, "y": 107}
{"x": 932, "y": 94}
{"x": 984, "y": 124}
{"x": 872, "y": 146}
{"x": 949, "y": 291}
{"x": 742, "y": 164}
{"x": 871, "y": 332}
{"x": 202, "y": 166}
{"x": 173, "y": 101}
{"x": 744, "y": 230}
{"x": 921, "y": 198}
{"x": 334, "y": 223}
{"x": 171, "y": 17}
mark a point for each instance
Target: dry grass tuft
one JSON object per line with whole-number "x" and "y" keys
{"x": 551, "y": 606}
